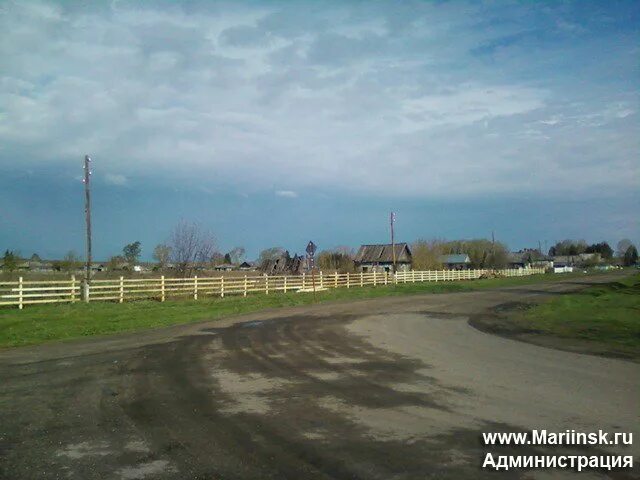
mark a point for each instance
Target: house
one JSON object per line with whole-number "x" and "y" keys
{"x": 285, "y": 264}
{"x": 224, "y": 267}
{"x": 456, "y": 261}
{"x": 379, "y": 258}
{"x": 246, "y": 266}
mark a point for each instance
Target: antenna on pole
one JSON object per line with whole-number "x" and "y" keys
{"x": 87, "y": 212}
{"x": 392, "y": 220}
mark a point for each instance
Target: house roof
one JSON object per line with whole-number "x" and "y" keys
{"x": 383, "y": 253}
{"x": 455, "y": 258}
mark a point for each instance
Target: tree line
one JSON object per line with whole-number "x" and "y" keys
{"x": 190, "y": 246}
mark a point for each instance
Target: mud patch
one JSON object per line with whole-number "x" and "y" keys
{"x": 143, "y": 470}
{"x": 80, "y": 450}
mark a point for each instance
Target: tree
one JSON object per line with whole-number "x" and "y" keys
{"x": 10, "y": 261}
{"x": 426, "y": 255}
{"x": 482, "y": 253}
{"x": 115, "y": 263}
{"x": 131, "y": 252}
{"x": 162, "y": 254}
{"x": 568, "y": 247}
{"x": 191, "y": 245}
{"x": 602, "y": 248}
{"x": 236, "y": 255}
{"x": 630, "y": 257}
{"x": 71, "y": 262}
{"x": 622, "y": 247}
{"x": 336, "y": 260}
{"x": 268, "y": 254}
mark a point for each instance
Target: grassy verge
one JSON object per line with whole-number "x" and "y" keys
{"x": 38, "y": 324}
{"x": 603, "y": 319}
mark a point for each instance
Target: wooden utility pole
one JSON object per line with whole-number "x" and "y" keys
{"x": 87, "y": 212}
{"x": 393, "y": 242}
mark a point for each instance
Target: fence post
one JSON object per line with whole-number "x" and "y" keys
{"x": 374, "y": 278}
{"x": 20, "y": 293}
{"x": 336, "y": 282}
{"x": 284, "y": 285}
{"x": 348, "y": 280}
{"x": 162, "y": 288}
{"x": 303, "y": 279}
{"x": 386, "y": 277}
{"x": 266, "y": 284}
{"x": 85, "y": 291}
{"x": 121, "y": 299}
{"x": 320, "y": 278}
{"x": 73, "y": 288}
{"x": 413, "y": 276}
{"x": 361, "y": 279}
{"x": 244, "y": 294}
{"x": 222, "y": 286}
{"x": 195, "y": 287}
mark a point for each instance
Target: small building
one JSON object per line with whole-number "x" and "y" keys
{"x": 246, "y": 266}
{"x": 224, "y": 267}
{"x": 379, "y": 258}
{"x": 456, "y": 261}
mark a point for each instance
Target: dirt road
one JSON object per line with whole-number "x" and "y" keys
{"x": 396, "y": 388}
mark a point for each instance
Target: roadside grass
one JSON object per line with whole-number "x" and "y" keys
{"x": 44, "y": 323}
{"x": 607, "y": 315}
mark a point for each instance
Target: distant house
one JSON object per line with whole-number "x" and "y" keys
{"x": 246, "y": 266}
{"x": 456, "y": 261}
{"x": 576, "y": 260}
{"x": 224, "y": 267}
{"x": 379, "y": 258}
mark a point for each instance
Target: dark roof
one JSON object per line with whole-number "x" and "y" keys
{"x": 383, "y": 253}
{"x": 455, "y": 258}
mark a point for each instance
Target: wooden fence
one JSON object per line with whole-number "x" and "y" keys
{"x": 22, "y": 292}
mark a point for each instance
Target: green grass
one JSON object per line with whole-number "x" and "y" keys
{"x": 44, "y": 323}
{"x": 608, "y": 314}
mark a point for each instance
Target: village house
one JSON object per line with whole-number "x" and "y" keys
{"x": 379, "y": 258}
{"x": 456, "y": 261}
{"x": 285, "y": 264}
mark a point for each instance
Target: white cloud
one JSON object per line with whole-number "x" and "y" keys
{"x": 322, "y": 96}
{"x": 286, "y": 193}
{"x": 115, "y": 179}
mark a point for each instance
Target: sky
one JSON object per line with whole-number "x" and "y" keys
{"x": 276, "y": 123}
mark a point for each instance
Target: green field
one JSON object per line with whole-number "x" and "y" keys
{"x": 38, "y": 324}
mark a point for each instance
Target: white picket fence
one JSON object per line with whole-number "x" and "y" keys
{"x": 23, "y": 292}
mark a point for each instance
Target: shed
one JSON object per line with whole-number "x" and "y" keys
{"x": 379, "y": 257}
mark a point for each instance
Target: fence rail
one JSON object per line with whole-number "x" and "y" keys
{"x": 23, "y": 292}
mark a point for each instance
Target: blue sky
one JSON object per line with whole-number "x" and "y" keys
{"x": 272, "y": 123}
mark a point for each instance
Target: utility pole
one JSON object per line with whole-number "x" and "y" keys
{"x": 87, "y": 213}
{"x": 393, "y": 243}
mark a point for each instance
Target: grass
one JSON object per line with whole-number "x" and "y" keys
{"x": 607, "y": 315}
{"x": 45, "y": 323}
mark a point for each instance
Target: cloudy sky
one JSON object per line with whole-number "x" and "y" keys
{"x": 273, "y": 123}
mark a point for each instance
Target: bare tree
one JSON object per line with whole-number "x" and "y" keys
{"x": 191, "y": 246}
{"x": 162, "y": 254}
{"x": 237, "y": 254}
{"x": 71, "y": 262}
{"x": 622, "y": 247}
{"x": 426, "y": 255}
